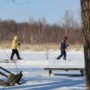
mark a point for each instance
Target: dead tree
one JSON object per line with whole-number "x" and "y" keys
{"x": 12, "y": 78}
{"x": 85, "y": 14}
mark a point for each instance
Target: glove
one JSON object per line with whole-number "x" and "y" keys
{"x": 19, "y": 43}
{"x": 68, "y": 45}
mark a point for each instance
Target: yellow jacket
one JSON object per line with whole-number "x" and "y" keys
{"x": 15, "y": 43}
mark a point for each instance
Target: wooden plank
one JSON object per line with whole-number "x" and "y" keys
{"x": 64, "y": 68}
{"x": 8, "y": 61}
{"x": 3, "y": 74}
{"x": 5, "y": 70}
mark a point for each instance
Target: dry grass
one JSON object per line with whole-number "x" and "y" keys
{"x": 40, "y": 47}
{"x": 4, "y": 45}
{"x": 7, "y": 45}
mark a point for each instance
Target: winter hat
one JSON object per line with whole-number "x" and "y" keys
{"x": 65, "y": 38}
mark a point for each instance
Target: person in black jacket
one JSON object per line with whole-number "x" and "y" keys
{"x": 63, "y": 49}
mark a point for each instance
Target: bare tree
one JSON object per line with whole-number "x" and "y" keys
{"x": 85, "y": 14}
{"x": 67, "y": 21}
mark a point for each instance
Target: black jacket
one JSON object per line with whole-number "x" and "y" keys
{"x": 63, "y": 45}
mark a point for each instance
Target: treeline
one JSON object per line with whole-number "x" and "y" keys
{"x": 38, "y": 32}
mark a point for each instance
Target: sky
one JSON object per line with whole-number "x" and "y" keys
{"x": 52, "y": 10}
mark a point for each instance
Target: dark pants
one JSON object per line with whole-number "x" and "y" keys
{"x": 63, "y": 53}
{"x": 15, "y": 51}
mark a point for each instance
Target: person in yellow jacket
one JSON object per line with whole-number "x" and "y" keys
{"x": 15, "y": 45}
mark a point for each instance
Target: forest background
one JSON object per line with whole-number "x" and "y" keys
{"x": 40, "y": 33}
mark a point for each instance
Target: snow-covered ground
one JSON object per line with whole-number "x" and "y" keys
{"x": 36, "y": 78}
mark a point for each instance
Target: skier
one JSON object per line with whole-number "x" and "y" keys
{"x": 63, "y": 47}
{"x": 15, "y": 44}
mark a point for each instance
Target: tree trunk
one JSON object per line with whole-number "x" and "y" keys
{"x": 85, "y": 14}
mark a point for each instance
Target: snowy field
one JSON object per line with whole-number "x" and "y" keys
{"x": 36, "y": 78}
